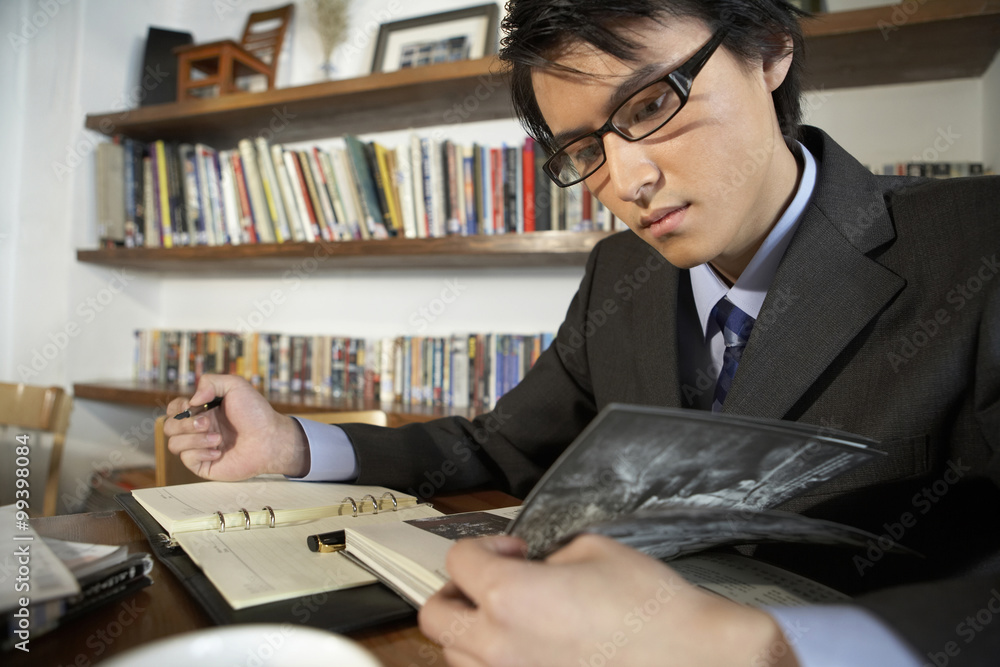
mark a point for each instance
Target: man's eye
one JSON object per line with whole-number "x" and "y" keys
{"x": 587, "y": 154}
{"x": 646, "y": 108}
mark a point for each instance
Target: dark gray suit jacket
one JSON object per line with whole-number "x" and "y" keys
{"x": 883, "y": 319}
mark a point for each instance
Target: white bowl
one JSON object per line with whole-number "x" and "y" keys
{"x": 254, "y": 645}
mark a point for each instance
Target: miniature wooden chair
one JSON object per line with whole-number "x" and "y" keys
{"x": 221, "y": 63}
{"x": 43, "y": 409}
{"x": 170, "y": 470}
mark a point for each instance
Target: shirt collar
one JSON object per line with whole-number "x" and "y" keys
{"x": 750, "y": 289}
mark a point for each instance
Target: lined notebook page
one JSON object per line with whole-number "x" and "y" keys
{"x": 173, "y": 504}
{"x": 251, "y": 567}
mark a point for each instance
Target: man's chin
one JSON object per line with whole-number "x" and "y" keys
{"x": 676, "y": 252}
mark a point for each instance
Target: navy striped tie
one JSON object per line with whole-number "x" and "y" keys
{"x": 736, "y": 326}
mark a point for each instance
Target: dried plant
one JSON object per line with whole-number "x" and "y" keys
{"x": 331, "y": 23}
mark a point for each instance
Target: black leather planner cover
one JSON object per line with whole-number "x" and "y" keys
{"x": 337, "y": 611}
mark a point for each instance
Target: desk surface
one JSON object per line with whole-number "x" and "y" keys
{"x": 166, "y": 609}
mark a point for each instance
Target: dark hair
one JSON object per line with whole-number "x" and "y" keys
{"x": 536, "y": 28}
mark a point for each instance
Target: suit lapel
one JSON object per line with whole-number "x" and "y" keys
{"x": 654, "y": 328}
{"x": 826, "y": 289}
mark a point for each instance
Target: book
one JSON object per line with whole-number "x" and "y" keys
{"x": 236, "y": 532}
{"x": 670, "y": 483}
{"x": 261, "y": 216}
{"x": 68, "y": 580}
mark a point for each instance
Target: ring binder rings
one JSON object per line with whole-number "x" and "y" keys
{"x": 374, "y": 503}
{"x": 392, "y": 497}
{"x": 340, "y": 611}
{"x": 205, "y": 520}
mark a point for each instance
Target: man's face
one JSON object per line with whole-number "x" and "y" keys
{"x": 709, "y": 185}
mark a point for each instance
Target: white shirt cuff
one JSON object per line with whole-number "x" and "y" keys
{"x": 331, "y": 454}
{"x": 839, "y": 635}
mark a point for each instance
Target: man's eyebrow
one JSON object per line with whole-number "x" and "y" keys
{"x": 629, "y": 85}
{"x": 633, "y": 83}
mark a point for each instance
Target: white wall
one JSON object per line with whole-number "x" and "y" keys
{"x": 991, "y": 114}
{"x": 86, "y": 59}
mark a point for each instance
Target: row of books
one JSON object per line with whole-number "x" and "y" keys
{"x": 930, "y": 169}
{"x": 458, "y": 371}
{"x": 165, "y": 194}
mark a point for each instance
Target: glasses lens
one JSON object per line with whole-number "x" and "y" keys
{"x": 647, "y": 110}
{"x": 578, "y": 160}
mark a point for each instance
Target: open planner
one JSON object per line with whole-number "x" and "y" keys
{"x": 240, "y": 547}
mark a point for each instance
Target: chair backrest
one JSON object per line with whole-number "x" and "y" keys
{"x": 265, "y": 33}
{"x": 29, "y": 406}
{"x": 45, "y": 409}
{"x": 170, "y": 470}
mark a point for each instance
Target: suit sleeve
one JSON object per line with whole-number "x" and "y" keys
{"x": 508, "y": 448}
{"x": 957, "y": 621}
{"x": 954, "y": 622}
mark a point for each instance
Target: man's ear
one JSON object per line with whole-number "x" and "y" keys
{"x": 777, "y": 59}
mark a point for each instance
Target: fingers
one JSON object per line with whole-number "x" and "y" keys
{"x": 477, "y": 566}
{"x": 194, "y": 459}
{"x": 210, "y": 386}
{"x": 445, "y": 619}
{"x": 586, "y": 547}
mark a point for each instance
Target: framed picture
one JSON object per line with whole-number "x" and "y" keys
{"x": 458, "y": 35}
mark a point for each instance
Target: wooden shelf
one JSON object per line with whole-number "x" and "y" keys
{"x": 938, "y": 40}
{"x": 504, "y": 250}
{"x": 420, "y": 97}
{"x": 128, "y": 392}
{"x": 866, "y": 47}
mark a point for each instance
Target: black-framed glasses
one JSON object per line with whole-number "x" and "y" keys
{"x": 643, "y": 113}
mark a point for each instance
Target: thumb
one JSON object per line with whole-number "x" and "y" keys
{"x": 209, "y": 386}
{"x": 504, "y": 545}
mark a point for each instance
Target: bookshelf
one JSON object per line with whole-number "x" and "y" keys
{"x": 940, "y": 40}
{"x": 906, "y": 43}
{"x": 144, "y": 394}
{"x": 869, "y": 47}
{"x": 506, "y": 250}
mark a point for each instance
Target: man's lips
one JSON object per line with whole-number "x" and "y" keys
{"x": 663, "y": 220}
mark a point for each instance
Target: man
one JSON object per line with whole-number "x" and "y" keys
{"x": 841, "y": 298}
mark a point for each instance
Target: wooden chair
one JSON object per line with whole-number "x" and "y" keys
{"x": 43, "y": 409}
{"x": 221, "y": 63}
{"x": 170, "y": 470}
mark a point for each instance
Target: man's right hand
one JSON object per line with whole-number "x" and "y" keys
{"x": 241, "y": 438}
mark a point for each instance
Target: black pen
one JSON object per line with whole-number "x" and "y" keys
{"x": 326, "y": 542}
{"x": 214, "y": 403}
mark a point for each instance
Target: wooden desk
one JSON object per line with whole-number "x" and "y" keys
{"x": 166, "y": 609}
